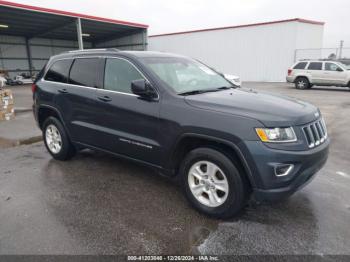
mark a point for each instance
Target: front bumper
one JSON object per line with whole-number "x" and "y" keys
{"x": 263, "y": 160}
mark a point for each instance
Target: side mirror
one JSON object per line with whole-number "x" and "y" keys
{"x": 143, "y": 89}
{"x": 339, "y": 69}
{"x": 233, "y": 79}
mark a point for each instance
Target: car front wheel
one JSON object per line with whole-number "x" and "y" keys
{"x": 213, "y": 184}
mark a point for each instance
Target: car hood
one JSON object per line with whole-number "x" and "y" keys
{"x": 271, "y": 110}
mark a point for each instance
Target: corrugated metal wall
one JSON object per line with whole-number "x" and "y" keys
{"x": 13, "y": 53}
{"x": 14, "y": 58}
{"x": 255, "y": 53}
{"x": 131, "y": 42}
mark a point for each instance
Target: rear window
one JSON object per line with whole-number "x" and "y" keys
{"x": 315, "y": 66}
{"x": 59, "y": 71}
{"x": 83, "y": 72}
{"x": 300, "y": 65}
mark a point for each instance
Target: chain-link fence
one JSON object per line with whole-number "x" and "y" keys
{"x": 322, "y": 53}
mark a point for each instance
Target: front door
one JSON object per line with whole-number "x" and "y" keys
{"x": 334, "y": 74}
{"x": 129, "y": 124}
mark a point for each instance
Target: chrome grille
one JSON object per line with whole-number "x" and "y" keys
{"x": 315, "y": 133}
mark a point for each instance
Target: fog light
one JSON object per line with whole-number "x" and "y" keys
{"x": 283, "y": 170}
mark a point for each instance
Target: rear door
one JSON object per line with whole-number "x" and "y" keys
{"x": 315, "y": 70}
{"x": 334, "y": 74}
{"x": 129, "y": 124}
{"x": 77, "y": 100}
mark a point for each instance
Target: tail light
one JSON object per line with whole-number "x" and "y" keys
{"x": 290, "y": 71}
{"x": 34, "y": 88}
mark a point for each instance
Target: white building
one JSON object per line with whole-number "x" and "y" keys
{"x": 255, "y": 52}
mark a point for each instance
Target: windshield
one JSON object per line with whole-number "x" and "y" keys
{"x": 185, "y": 75}
{"x": 347, "y": 67}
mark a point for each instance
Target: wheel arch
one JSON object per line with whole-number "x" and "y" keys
{"x": 303, "y": 76}
{"x": 190, "y": 141}
{"x": 45, "y": 111}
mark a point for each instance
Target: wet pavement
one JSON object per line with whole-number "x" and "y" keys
{"x": 99, "y": 204}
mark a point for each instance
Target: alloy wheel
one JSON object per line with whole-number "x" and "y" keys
{"x": 208, "y": 183}
{"x": 53, "y": 139}
{"x": 301, "y": 84}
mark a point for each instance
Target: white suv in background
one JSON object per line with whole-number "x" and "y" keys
{"x": 305, "y": 74}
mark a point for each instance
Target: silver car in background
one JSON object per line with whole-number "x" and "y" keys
{"x": 305, "y": 74}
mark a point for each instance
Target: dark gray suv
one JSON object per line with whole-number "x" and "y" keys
{"x": 179, "y": 116}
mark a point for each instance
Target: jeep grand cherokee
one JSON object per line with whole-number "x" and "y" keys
{"x": 179, "y": 116}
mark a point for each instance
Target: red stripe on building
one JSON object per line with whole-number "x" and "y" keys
{"x": 70, "y": 14}
{"x": 247, "y": 25}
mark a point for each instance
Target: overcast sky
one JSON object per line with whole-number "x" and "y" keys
{"x": 178, "y": 15}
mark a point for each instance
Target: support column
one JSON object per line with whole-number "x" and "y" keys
{"x": 79, "y": 34}
{"x": 144, "y": 39}
{"x": 29, "y": 57}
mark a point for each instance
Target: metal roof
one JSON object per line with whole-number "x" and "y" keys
{"x": 32, "y": 21}
{"x": 300, "y": 20}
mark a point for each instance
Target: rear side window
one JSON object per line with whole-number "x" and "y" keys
{"x": 300, "y": 65}
{"x": 40, "y": 74}
{"x": 83, "y": 72}
{"x": 59, "y": 71}
{"x": 119, "y": 74}
{"x": 315, "y": 66}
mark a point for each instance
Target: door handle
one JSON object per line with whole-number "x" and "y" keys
{"x": 63, "y": 91}
{"x": 105, "y": 98}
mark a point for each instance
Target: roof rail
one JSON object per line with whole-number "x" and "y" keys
{"x": 318, "y": 59}
{"x": 93, "y": 50}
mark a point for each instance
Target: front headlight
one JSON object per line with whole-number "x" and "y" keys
{"x": 276, "y": 134}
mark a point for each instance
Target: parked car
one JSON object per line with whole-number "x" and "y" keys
{"x": 234, "y": 79}
{"x": 222, "y": 143}
{"x": 305, "y": 74}
{"x": 20, "y": 80}
{"x": 10, "y": 81}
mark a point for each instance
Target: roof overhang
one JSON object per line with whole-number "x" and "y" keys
{"x": 31, "y": 21}
{"x": 300, "y": 20}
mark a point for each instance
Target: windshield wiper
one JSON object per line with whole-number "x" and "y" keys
{"x": 225, "y": 87}
{"x": 201, "y": 91}
{"x": 194, "y": 92}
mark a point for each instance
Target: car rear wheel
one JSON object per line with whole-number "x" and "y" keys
{"x": 302, "y": 83}
{"x": 56, "y": 140}
{"x": 212, "y": 183}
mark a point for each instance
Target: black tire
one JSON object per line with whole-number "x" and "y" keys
{"x": 238, "y": 188}
{"x": 67, "y": 150}
{"x": 302, "y": 83}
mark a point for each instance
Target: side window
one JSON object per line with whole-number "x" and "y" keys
{"x": 331, "y": 67}
{"x": 119, "y": 74}
{"x": 59, "y": 71}
{"x": 300, "y": 65}
{"x": 315, "y": 66}
{"x": 83, "y": 72}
